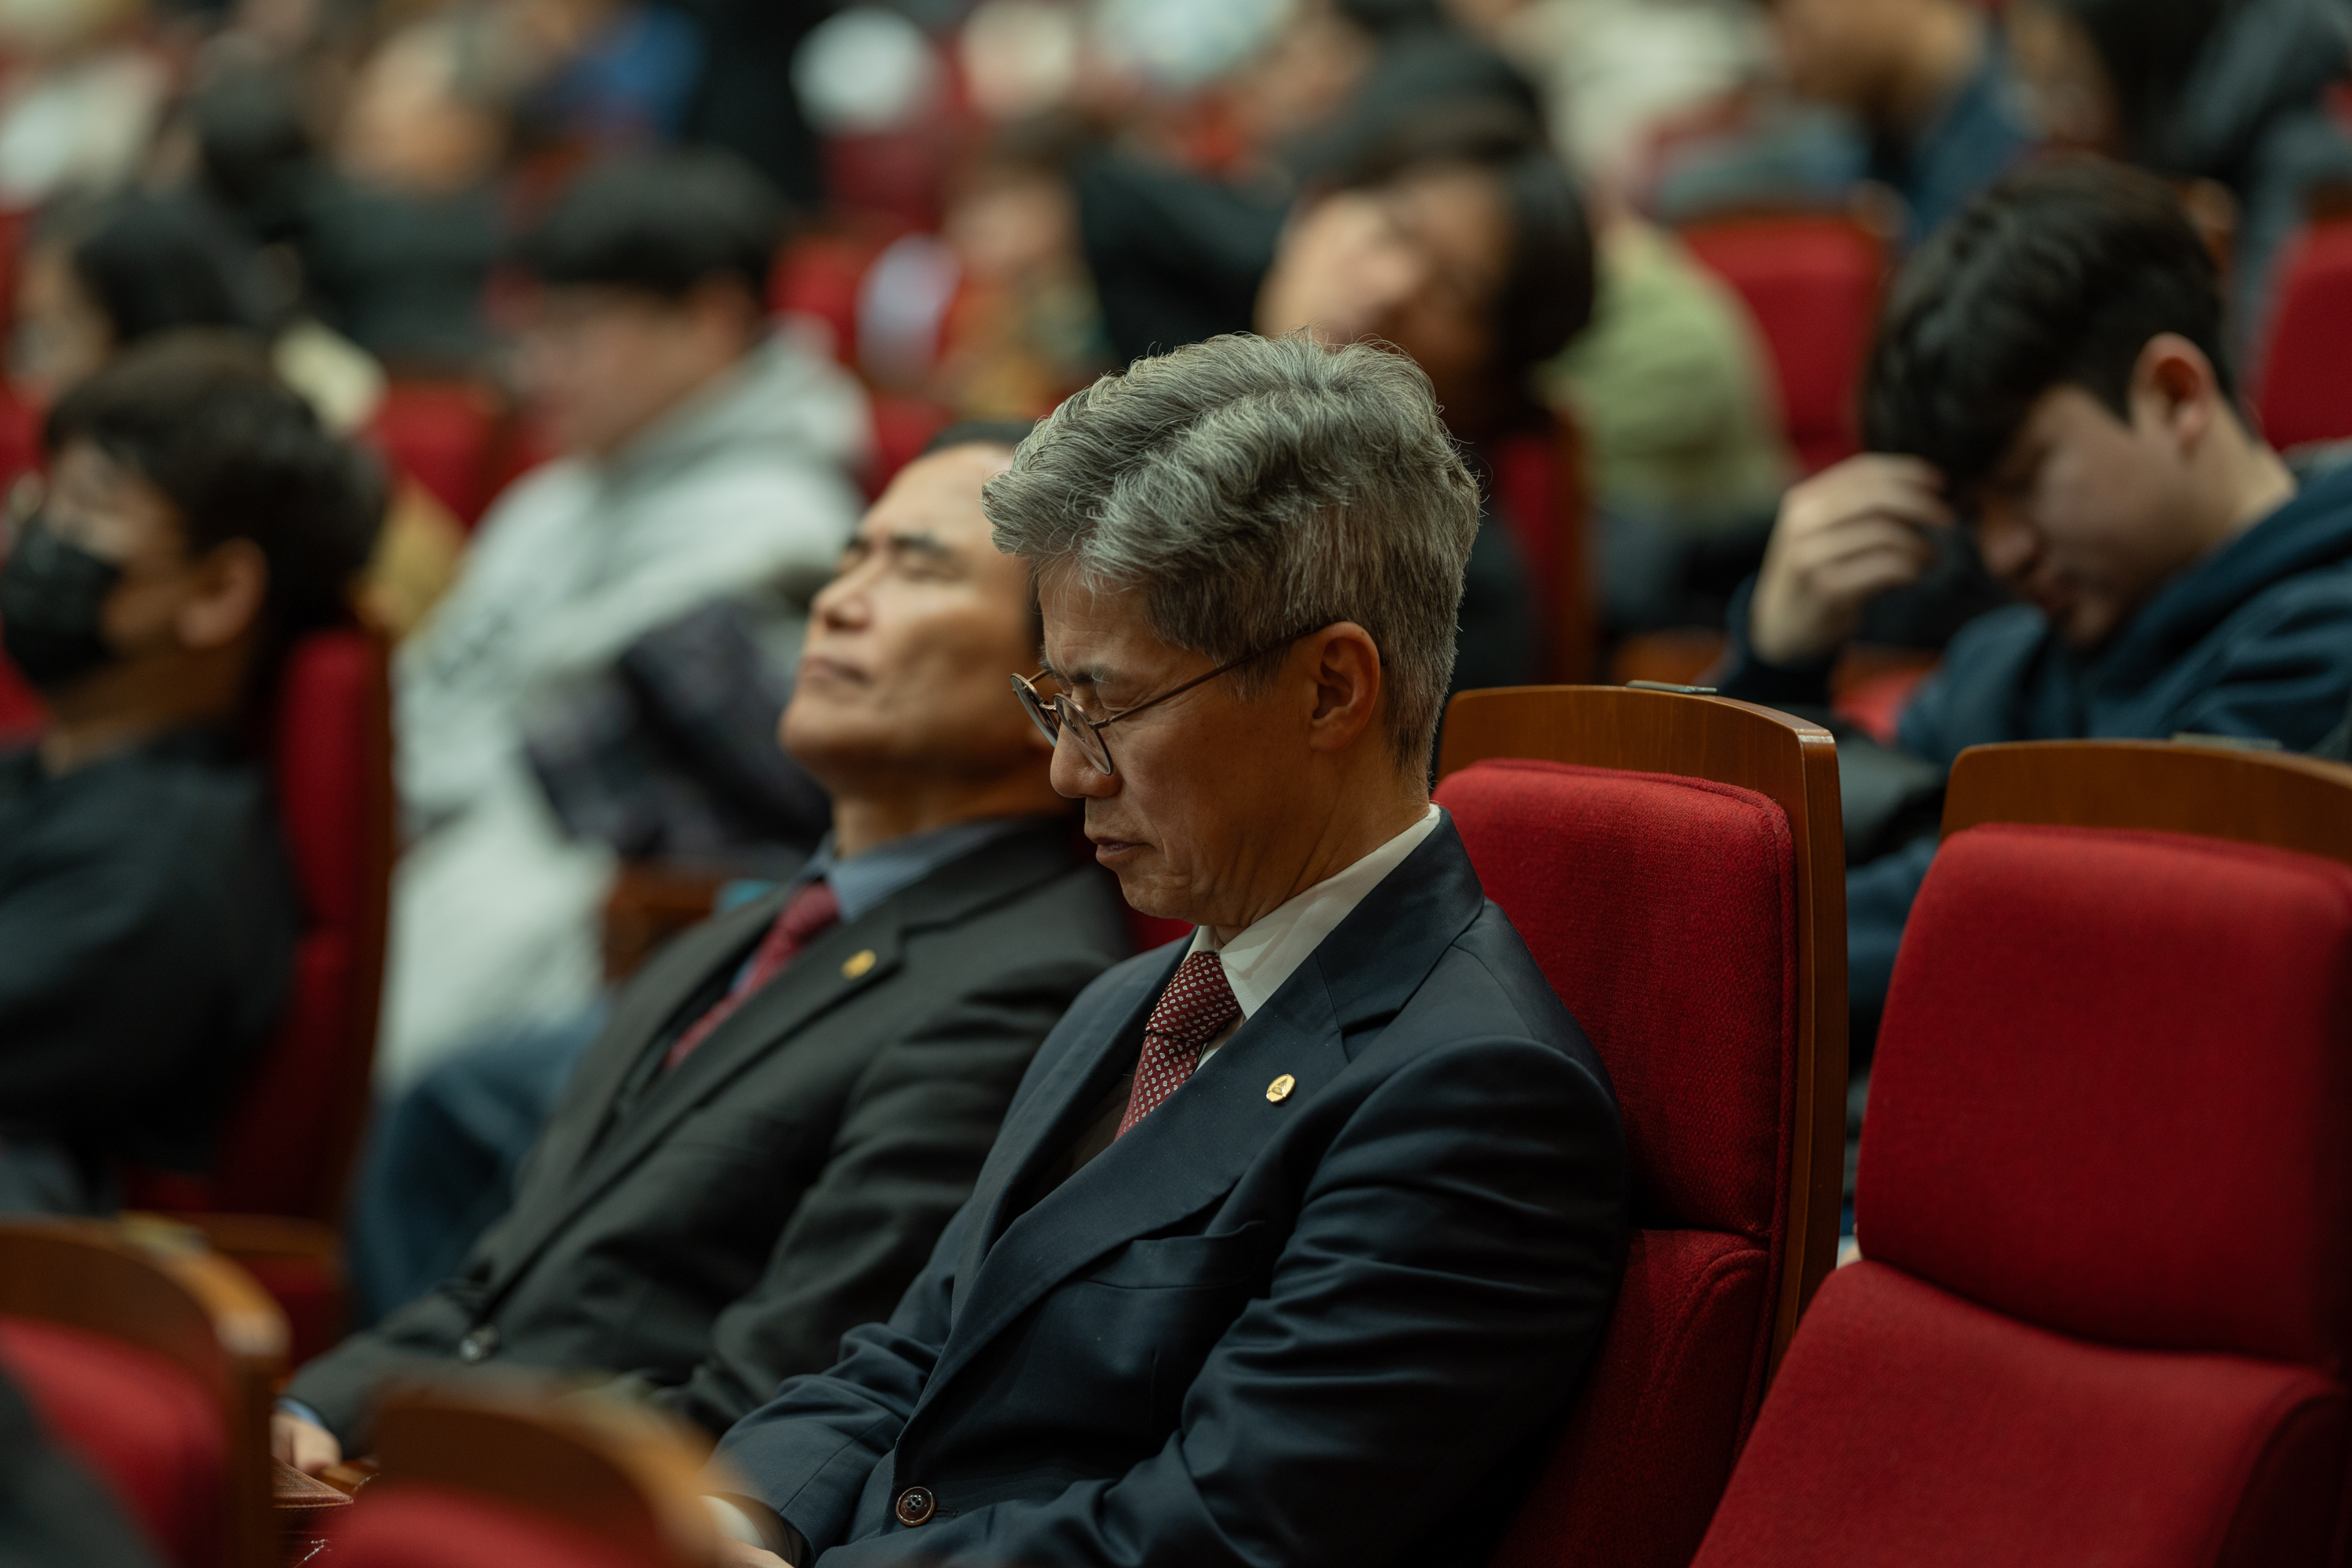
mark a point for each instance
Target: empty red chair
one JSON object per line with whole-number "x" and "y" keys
{"x": 477, "y": 1479}
{"x": 152, "y": 1361}
{"x": 2103, "y": 1202}
{"x": 277, "y": 1191}
{"x": 1811, "y": 280}
{"x": 2304, "y": 394}
{"x": 1675, "y": 864}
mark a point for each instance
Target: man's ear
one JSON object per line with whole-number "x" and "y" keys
{"x": 232, "y": 585}
{"x": 2175, "y": 386}
{"x": 1345, "y": 666}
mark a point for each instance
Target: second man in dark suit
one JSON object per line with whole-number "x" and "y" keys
{"x": 789, "y": 1103}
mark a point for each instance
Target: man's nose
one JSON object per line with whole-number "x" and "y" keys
{"x": 1073, "y": 777}
{"x": 2006, "y": 544}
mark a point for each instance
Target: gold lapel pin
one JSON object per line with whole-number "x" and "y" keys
{"x": 858, "y": 964}
{"x": 1279, "y": 1089}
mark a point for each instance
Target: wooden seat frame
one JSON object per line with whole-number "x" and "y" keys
{"x": 1790, "y": 762}
{"x": 156, "y": 1288}
{"x": 622, "y": 1472}
{"x": 2166, "y": 786}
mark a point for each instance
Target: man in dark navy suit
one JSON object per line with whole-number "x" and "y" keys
{"x": 1297, "y": 1235}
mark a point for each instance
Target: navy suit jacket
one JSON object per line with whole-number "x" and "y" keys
{"x": 1330, "y": 1328}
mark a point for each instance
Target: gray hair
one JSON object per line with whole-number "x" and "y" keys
{"x": 1255, "y": 488}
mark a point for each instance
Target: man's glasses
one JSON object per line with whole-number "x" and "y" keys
{"x": 1054, "y": 714}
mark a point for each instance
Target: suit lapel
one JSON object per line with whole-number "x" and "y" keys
{"x": 645, "y": 1007}
{"x": 818, "y": 980}
{"x": 1191, "y": 1149}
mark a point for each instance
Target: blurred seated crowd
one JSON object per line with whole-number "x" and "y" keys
{"x": 707, "y": 405}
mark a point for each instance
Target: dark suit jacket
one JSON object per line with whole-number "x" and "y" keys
{"x": 720, "y": 1231}
{"x": 1323, "y": 1329}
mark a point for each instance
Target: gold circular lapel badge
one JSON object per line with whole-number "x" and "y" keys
{"x": 1279, "y": 1089}
{"x": 859, "y": 963}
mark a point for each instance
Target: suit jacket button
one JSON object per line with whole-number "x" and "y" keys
{"x": 915, "y": 1505}
{"x": 477, "y": 1344}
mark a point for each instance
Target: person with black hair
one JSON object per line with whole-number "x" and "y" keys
{"x": 762, "y": 1143}
{"x": 706, "y": 459}
{"x": 101, "y": 276}
{"x": 1462, "y": 243}
{"x": 197, "y": 520}
{"x": 2236, "y": 93}
{"x": 2049, "y": 373}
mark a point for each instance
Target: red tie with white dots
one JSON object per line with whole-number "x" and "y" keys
{"x": 1194, "y": 1009}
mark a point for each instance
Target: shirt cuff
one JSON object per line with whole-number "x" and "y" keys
{"x": 301, "y": 1412}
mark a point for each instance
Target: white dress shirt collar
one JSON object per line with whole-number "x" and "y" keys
{"x": 1264, "y": 954}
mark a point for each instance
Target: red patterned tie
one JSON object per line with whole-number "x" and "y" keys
{"x": 809, "y": 914}
{"x": 1193, "y": 1011}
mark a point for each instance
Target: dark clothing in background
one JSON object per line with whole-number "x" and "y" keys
{"x": 715, "y": 1228}
{"x": 673, "y": 754}
{"x": 2252, "y": 114}
{"x": 52, "y": 1513}
{"x": 1176, "y": 257}
{"x": 402, "y": 276}
{"x": 1979, "y": 135}
{"x": 148, "y": 919}
{"x": 743, "y": 100}
{"x": 1317, "y": 1327}
{"x": 2253, "y": 640}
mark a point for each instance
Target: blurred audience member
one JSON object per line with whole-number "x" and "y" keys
{"x": 744, "y": 101}
{"x": 100, "y": 277}
{"x": 2236, "y": 93}
{"x": 400, "y": 236}
{"x": 1671, "y": 388}
{"x": 80, "y": 100}
{"x": 197, "y": 520}
{"x": 704, "y": 460}
{"x": 1463, "y": 244}
{"x": 621, "y": 74}
{"x": 1928, "y": 103}
{"x": 2050, "y": 375}
{"x": 760, "y": 1149}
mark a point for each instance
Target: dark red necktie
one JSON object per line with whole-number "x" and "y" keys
{"x": 1194, "y": 1009}
{"x": 808, "y": 914}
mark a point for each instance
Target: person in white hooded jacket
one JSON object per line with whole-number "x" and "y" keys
{"x": 704, "y": 458}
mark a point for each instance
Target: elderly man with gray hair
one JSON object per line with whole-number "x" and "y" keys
{"x": 1300, "y": 1232}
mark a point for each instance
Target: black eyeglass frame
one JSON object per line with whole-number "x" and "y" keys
{"x": 1052, "y": 714}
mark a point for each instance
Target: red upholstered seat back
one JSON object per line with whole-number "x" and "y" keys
{"x": 144, "y": 1427}
{"x": 1811, "y": 280}
{"x": 2114, "y": 1090}
{"x": 291, "y": 1134}
{"x": 1662, "y": 910}
{"x": 447, "y": 436}
{"x": 2106, "y": 1191}
{"x": 2305, "y": 394}
{"x": 416, "y": 1525}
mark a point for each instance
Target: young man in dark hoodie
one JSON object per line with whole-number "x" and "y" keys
{"x": 2049, "y": 375}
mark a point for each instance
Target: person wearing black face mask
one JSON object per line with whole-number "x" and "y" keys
{"x": 196, "y": 519}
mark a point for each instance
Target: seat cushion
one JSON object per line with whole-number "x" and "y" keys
{"x": 141, "y": 1424}
{"x": 1662, "y": 910}
{"x": 1908, "y": 1426}
{"x": 420, "y": 1526}
{"x": 2111, "y": 1096}
{"x": 1637, "y": 1469}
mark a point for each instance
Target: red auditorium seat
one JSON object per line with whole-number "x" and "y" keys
{"x": 2101, "y": 1203}
{"x": 152, "y": 1361}
{"x": 277, "y": 1192}
{"x": 1811, "y": 280}
{"x": 1676, "y": 865}
{"x": 2304, "y": 394}
{"x": 505, "y": 1479}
